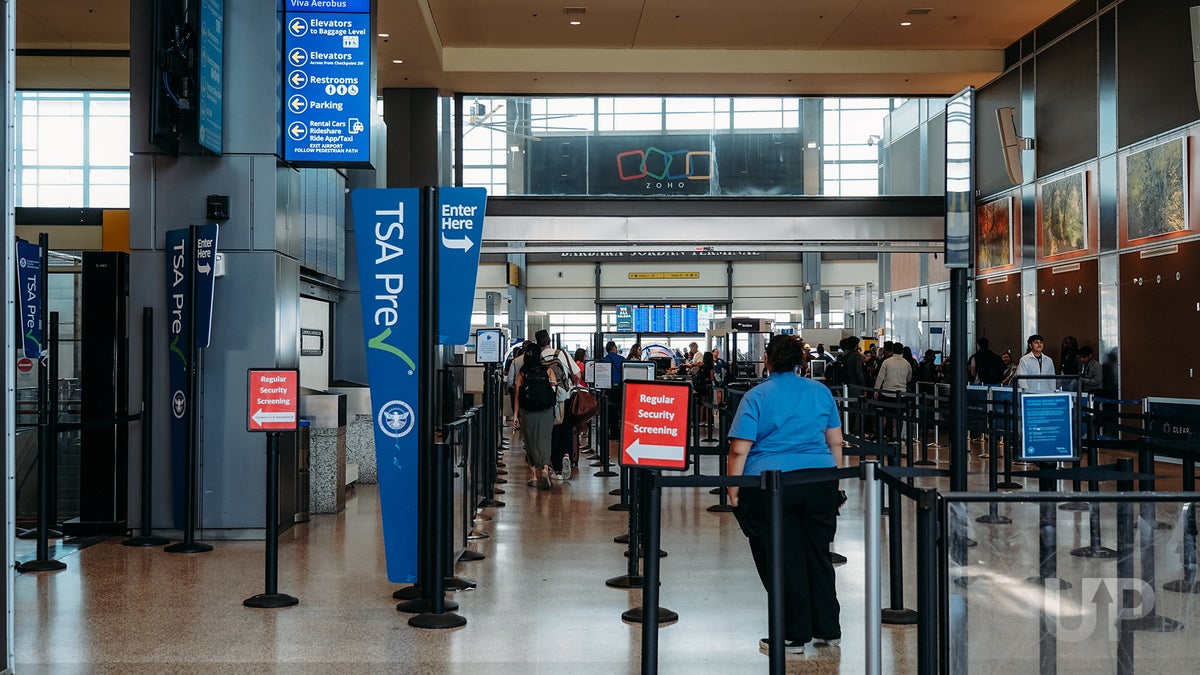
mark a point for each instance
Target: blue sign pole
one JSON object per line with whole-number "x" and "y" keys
{"x": 178, "y": 357}
{"x": 460, "y": 221}
{"x": 387, "y": 228}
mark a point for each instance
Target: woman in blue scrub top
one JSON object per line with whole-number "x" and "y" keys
{"x": 790, "y": 423}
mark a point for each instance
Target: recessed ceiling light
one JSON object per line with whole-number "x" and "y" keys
{"x": 905, "y": 23}
{"x": 397, "y": 60}
{"x": 385, "y": 35}
{"x": 576, "y": 23}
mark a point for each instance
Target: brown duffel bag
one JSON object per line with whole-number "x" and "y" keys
{"x": 581, "y": 407}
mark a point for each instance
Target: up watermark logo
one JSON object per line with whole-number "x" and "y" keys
{"x": 1113, "y": 598}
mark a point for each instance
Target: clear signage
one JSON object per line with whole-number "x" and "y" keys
{"x": 489, "y": 345}
{"x": 211, "y": 74}
{"x": 460, "y": 220}
{"x": 327, "y": 92}
{"x": 387, "y": 228}
{"x": 1047, "y": 428}
{"x": 29, "y": 283}
{"x": 654, "y": 425}
{"x": 273, "y": 400}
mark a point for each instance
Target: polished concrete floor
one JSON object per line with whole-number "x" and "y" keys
{"x": 541, "y": 605}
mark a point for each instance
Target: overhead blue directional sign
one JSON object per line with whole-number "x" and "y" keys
{"x": 327, "y": 93}
{"x": 460, "y": 220}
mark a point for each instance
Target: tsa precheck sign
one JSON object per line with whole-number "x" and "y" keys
{"x": 327, "y": 95}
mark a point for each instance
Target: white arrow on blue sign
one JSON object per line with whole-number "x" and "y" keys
{"x": 460, "y": 220}
{"x": 298, "y": 103}
{"x": 298, "y": 57}
{"x": 297, "y": 131}
{"x": 298, "y": 79}
{"x": 298, "y": 27}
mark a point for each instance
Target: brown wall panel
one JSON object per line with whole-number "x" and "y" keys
{"x": 1068, "y": 304}
{"x": 1159, "y": 318}
{"x": 998, "y": 313}
{"x": 906, "y": 271}
{"x": 938, "y": 272}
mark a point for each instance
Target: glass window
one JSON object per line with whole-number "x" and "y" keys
{"x": 700, "y": 146}
{"x": 73, "y": 149}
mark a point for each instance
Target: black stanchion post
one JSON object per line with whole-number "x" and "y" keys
{"x": 438, "y": 615}
{"x": 1188, "y": 584}
{"x": 1125, "y": 552}
{"x": 631, "y": 579}
{"x": 1147, "y": 524}
{"x": 271, "y": 598}
{"x": 993, "y": 516}
{"x": 605, "y": 445}
{"x": 927, "y": 578}
{"x": 650, "y": 614}
{"x": 1048, "y": 538}
{"x": 772, "y": 484}
{"x": 722, "y": 505}
{"x": 147, "y": 420}
{"x": 896, "y": 614}
{"x": 1009, "y": 447}
{"x": 47, "y": 447}
{"x": 490, "y": 441}
{"x": 190, "y": 451}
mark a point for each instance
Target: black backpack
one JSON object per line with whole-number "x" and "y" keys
{"x": 536, "y": 392}
{"x": 835, "y": 373}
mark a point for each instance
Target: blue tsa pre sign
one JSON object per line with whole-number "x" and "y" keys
{"x": 387, "y": 227}
{"x": 327, "y": 97}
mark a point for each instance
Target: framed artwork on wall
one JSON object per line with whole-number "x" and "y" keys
{"x": 1154, "y": 194}
{"x": 994, "y": 234}
{"x": 1063, "y": 230}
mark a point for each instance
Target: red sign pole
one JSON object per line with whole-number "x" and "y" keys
{"x": 654, "y": 427}
{"x": 272, "y": 405}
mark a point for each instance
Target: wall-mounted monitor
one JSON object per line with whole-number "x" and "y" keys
{"x": 639, "y": 370}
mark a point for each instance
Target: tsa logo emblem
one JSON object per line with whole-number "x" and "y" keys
{"x": 178, "y": 404}
{"x": 396, "y": 419}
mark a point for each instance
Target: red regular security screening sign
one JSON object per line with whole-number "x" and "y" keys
{"x": 654, "y": 431}
{"x": 273, "y": 401}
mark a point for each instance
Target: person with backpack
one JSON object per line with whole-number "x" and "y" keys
{"x": 534, "y": 408}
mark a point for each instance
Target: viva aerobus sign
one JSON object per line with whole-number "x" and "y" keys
{"x": 185, "y": 268}
{"x": 388, "y": 228}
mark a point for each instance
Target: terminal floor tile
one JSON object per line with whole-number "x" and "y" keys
{"x": 541, "y": 605}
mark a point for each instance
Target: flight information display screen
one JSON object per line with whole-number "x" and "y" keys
{"x": 666, "y": 319}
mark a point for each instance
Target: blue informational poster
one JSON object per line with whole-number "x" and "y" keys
{"x": 460, "y": 216}
{"x": 29, "y": 285}
{"x": 387, "y": 228}
{"x": 624, "y": 318}
{"x": 328, "y": 98}
{"x": 1047, "y": 428}
{"x": 210, "y": 75}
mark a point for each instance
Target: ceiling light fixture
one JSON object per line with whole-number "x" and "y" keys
{"x": 576, "y": 23}
{"x": 385, "y": 35}
{"x": 905, "y": 23}
{"x": 397, "y": 60}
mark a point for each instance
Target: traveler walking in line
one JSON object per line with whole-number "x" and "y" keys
{"x": 790, "y": 423}
{"x": 534, "y": 412}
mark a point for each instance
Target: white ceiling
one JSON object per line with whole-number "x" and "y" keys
{"x": 620, "y": 46}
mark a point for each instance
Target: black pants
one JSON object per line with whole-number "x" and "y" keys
{"x": 810, "y": 604}
{"x": 563, "y": 442}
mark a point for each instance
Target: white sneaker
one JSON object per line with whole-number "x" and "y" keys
{"x": 566, "y": 468}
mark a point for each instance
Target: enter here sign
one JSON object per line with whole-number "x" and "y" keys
{"x": 654, "y": 429}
